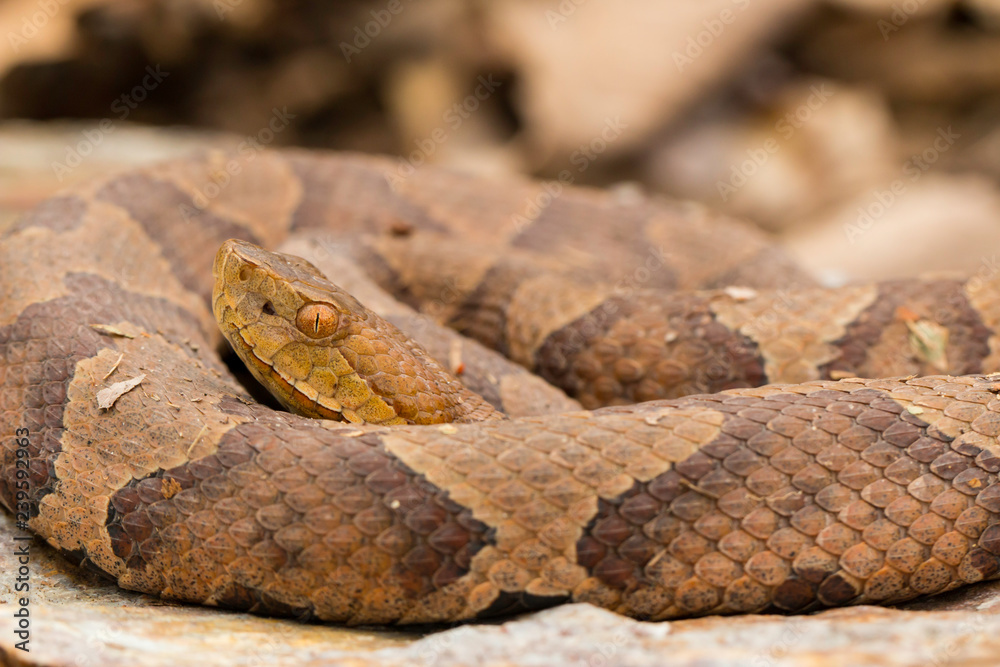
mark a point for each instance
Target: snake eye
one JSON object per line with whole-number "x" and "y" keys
{"x": 317, "y": 320}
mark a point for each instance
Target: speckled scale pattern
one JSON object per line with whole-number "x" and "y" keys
{"x": 40, "y": 351}
{"x": 824, "y": 513}
{"x": 290, "y": 518}
{"x": 635, "y": 343}
{"x": 785, "y": 497}
{"x": 649, "y": 346}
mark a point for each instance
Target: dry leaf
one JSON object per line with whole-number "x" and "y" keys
{"x": 929, "y": 340}
{"x": 107, "y": 397}
{"x": 114, "y": 367}
{"x": 109, "y": 330}
{"x": 740, "y": 293}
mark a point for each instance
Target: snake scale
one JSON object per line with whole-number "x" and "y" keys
{"x": 694, "y": 489}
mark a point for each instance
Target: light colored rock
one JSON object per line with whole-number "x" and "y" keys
{"x": 818, "y": 143}
{"x": 582, "y": 635}
{"x": 584, "y": 63}
{"x": 38, "y": 33}
{"x": 934, "y": 223}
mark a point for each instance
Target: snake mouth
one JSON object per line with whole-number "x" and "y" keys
{"x": 268, "y": 386}
{"x": 258, "y": 392}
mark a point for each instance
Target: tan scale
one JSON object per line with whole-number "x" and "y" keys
{"x": 494, "y": 212}
{"x": 174, "y": 422}
{"x": 430, "y": 273}
{"x": 981, "y": 291}
{"x": 690, "y": 263}
{"x": 794, "y": 338}
{"x": 124, "y": 255}
{"x": 545, "y": 304}
{"x": 548, "y": 520}
{"x": 261, "y": 194}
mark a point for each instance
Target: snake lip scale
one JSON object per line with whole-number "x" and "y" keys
{"x": 679, "y": 491}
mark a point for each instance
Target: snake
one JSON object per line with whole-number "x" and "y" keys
{"x": 490, "y": 396}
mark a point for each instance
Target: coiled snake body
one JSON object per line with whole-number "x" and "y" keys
{"x": 816, "y": 491}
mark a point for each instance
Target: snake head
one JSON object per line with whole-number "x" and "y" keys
{"x": 273, "y": 283}
{"x": 317, "y": 349}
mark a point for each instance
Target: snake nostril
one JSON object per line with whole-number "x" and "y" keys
{"x": 268, "y": 309}
{"x": 245, "y": 273}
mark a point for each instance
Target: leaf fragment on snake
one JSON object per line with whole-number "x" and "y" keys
{"x": 107, "y": 396}
{"x": 109, "y": 330}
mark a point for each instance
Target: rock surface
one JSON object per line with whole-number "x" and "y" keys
{"x": 653, "y": 59}
{"x": 78, "y": 619}
{"x": 937, "y": 222}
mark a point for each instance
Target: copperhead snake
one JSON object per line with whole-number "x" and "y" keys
{"x": 694, "y": 491}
